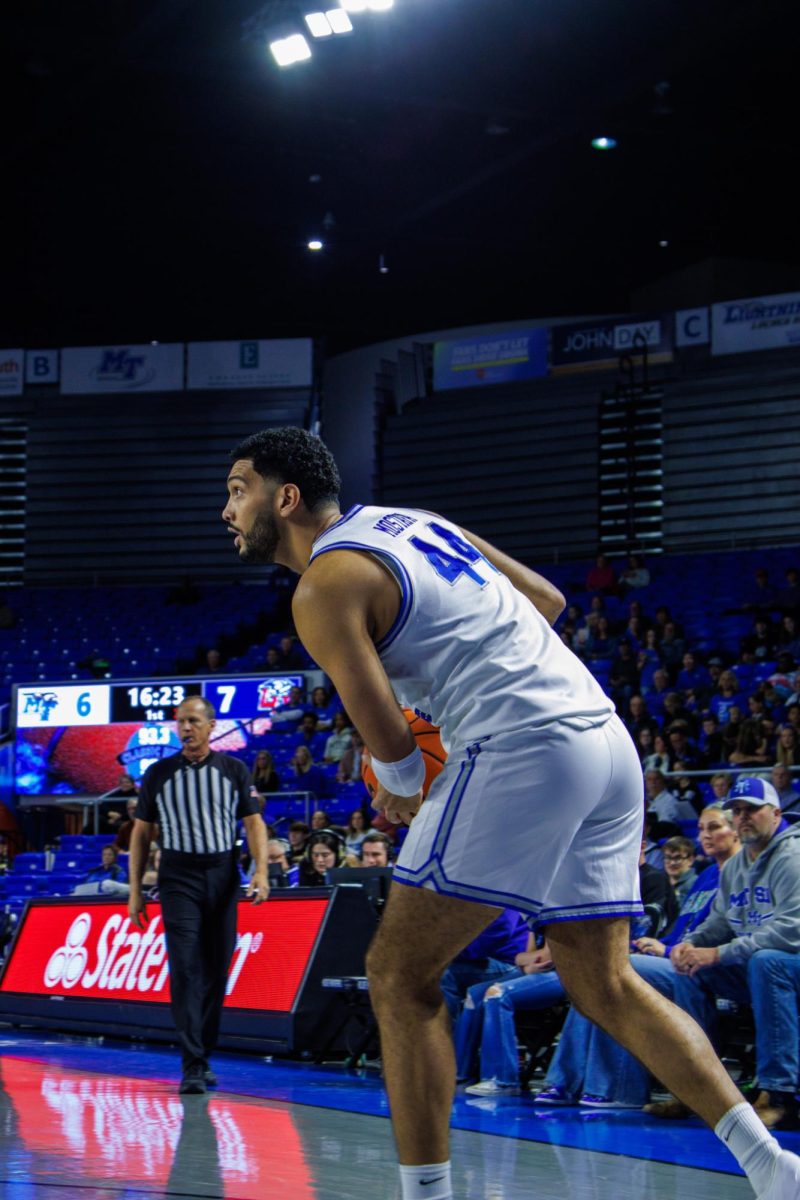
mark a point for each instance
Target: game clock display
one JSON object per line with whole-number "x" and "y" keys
{"x": 78, "y": 738}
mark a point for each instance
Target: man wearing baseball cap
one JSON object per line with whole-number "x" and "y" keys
{"x": 748, "y": 942}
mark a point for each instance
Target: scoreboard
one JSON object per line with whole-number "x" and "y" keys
{"x": 79, "y": 737}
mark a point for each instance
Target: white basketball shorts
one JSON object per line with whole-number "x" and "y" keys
{"x": 549, "y": 822}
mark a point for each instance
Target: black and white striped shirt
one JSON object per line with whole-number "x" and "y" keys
{"x": 197, "y": 805}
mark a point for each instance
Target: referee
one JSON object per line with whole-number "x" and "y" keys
{"x": 196, "y": 797}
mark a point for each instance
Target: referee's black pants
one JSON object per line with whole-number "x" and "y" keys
{"x": 199, "y": 895}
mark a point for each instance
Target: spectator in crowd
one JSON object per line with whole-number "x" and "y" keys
{"x": 319, "y": 820}
{"x": 108, "y": 873}
{"x": 638, "y": 718}
{"x": 376, "y": 850}
{"x": 788, "y": 636}
{"x": 281, "y": 871}
{"x": 727, "y": 696}
{"x": 325, "y": 851}
{"x": 265, "y": 778}
{"x": 299, "y": 834}
{"x": 781, "y": 780}
{"x": 5, "y": 857}
{"x": 272, "y": 658}
{"x": 644, "y": 743}
{"x": 324, "y": 707}
{"x": 150, "y": 875}
{"x": 492, "y": 955}
{"x": 357, "y": 830}
{"x": 111, "y": 814}
{"x": 293, "y": 710}
{"x": 658, "y": 760}
{"x": 291, "y": 655}
{"x": 721, "y": 785}
{"x": 788, "y": 598}
{"x": 653, "y": 854}
{"x": 693, "y": 677}
{"x": 307, "y": 776}
{"x": 671, "y": 648}
{"x": 601, "y": 577}
{"x": 307, "y": 734}
{"x": 709, "y": 741}
{"x": 350, "y": 763}
{"x": 756, "y": 909}
{"x": 761, "y": 596}
{"x": 634, "y": 634}
{"x": 339, "y": 739}
{"x": 762, "y": 642}
{"x": 649, "y": 661}
{"x": 787, "y": 753}
{"x": 679, "y": 855}
{"x": 589, "y": 1067}
{"x": 681, "y": 748}
{"x": 214, "y": 661}
{"x": 656, "y": 696}
{"x": 690, "y": 802}
{"x": 602, "y": 643}
{"x": 751, "y": 748}
{"x": 635, "y": 575}
{"x": 123, "y": 839}
{"x": 660, "y": 800}
{"x": 624, "y": 676}
{"x": 730, "y": 731}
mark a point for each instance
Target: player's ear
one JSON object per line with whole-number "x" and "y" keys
{"x": 287, "y": 499}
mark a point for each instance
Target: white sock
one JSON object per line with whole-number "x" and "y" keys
{"x": 750, "y": 1142}
{"x": 429, "y": 1182}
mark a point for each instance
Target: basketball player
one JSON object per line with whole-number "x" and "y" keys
{"x": 401, "y": 606}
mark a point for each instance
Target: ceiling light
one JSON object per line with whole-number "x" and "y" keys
{"x": 379, "y": 5}
{"x": 315, "y": 244}
{"x": 355, "y": 6}
{"x": 318, "y": 25}
{"x": 290, "y": 50}
{"x": 339, "y": 20}
{"x": 604, "y": 143}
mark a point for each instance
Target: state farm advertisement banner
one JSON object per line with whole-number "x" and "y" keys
{"x": 93, "y": 951}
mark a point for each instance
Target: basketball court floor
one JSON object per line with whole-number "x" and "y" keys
{"x": 97, "y": 1119}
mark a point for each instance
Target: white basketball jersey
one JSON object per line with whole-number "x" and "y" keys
{"x": 467, "y": 651}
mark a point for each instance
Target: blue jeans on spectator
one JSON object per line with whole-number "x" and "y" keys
{"x": 588, "y": 1061}
{"x": 490, "y": 1023}
{"x": 461, "y": 976}
{"x": 773, "y": 979}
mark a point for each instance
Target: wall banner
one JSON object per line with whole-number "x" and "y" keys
{"x": 273, "y": 363}
{"x": 599, "y": 344}
{"x": 692, "y": 327}
{"x": 151, "y": 368}
{"x": 11, "y": 368}
{"x": 41, "y": 366}
{"x": 763, "y": 323}
{"x": 502, "y": 358}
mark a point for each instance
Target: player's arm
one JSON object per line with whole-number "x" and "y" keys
{"x": 334, "y": 609}
{"x": 542, "y": 594}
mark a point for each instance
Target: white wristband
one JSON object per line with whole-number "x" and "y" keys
{"x": 403, "y": 778}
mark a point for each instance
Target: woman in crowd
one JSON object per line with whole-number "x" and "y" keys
{"x": 308, "y": 777}
{"x": 357, "y": 830}
{"x": 339, "y": 739}
{"x": 787, "y": 752}
{"x": 325, "y": 851}
{"x": 265, "y": 778}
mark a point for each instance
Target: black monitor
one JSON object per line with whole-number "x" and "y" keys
{"x": 375, "y": 881}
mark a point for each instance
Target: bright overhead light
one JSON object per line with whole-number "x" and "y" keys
{"x": 318, "y": 24}
{"x": 604, "y": 143}
{"x": 315, "y": 244}
{"x": 380, "y": 5}
{"x": 290, "y": 50}
{"x": 339, "y": 20}
{"x": 355, "y": 6}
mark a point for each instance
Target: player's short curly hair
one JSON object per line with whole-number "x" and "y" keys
{"x": 292, "y": 455}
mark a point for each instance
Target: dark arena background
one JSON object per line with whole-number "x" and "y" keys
{"x": 534, "y": 266}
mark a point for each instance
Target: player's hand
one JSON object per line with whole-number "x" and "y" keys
{"x": 400, "y": 810}
{"x": 258, "y": 887}
{"x": 137, "y": 910}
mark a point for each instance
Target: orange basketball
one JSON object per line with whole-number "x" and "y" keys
{"x": 428, "y": 740}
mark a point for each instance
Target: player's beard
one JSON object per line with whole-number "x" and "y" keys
{"x": 260, "y": 544}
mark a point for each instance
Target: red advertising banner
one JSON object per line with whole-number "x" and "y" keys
{"x": 93, "y": 951}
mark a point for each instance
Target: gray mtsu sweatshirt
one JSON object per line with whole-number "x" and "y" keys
{"x": 757, "y": 906}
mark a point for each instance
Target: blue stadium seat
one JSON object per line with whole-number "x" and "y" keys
{"x": 29, "y": 863}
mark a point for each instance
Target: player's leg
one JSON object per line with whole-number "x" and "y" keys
{"x": 421, "y": 931}
{"x": 592, "y": 959}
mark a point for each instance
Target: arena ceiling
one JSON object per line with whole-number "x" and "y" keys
{"x": 163, "y": 176}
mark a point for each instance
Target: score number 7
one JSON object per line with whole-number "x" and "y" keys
{"x": 226, "y": 694}
{"x": 451, "y": 566}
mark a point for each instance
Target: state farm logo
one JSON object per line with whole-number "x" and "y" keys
{"x": 127, "y": 959}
